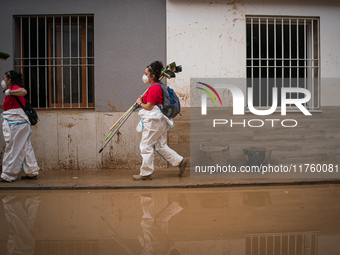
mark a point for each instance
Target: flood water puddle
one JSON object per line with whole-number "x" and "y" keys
{"x": 236, "y": 221}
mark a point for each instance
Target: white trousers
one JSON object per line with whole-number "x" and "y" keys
{"x": 154, "y": 139}
{"x": 19, "y": 153}
{"x": 21, "y": 214}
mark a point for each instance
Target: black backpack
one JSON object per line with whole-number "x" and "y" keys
{"x": 171, "y": 106}
{"x": 30, "y": 112}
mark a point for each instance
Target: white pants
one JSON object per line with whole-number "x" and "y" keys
{"x": 154, "y": 139}
{"x": 19, "y": 153}
{"x": 21, "y": 215}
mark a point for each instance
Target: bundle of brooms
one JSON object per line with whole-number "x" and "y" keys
{"x": 168, "y": 72}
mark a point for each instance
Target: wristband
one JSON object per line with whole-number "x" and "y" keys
{"x": 7, "y": 92}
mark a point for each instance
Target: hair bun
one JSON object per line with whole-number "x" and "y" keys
{"x": 157, "y": 68}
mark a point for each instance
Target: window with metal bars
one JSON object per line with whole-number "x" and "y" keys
{"x": 283, "y": 52}
{"x": 56, "y": 57}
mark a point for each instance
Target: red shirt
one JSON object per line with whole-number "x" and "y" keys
{"x": 154, "y": 95}
{"x": 11, "y": 103}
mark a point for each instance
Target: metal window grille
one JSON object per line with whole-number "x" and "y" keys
{"x": 55, "y": 54}
{"x": 283, "y": 52}
{"x": 305, "y": 243}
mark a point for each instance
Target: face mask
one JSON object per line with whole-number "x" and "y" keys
{"x": 145, "y": 79}
{"x": 3, "y": 84}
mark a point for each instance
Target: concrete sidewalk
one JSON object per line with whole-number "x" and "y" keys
{"x": 122, "y": 179}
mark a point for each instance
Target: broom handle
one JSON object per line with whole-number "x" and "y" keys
{"x": 160, "y": 78}
{"x": 120, "y": 124}
{"x": 126, "y": 112}
{"x": 121, "y": 117}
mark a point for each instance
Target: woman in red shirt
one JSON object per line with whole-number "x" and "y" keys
{"x": 19, "y": 154}
{"x": 154, "y": 126}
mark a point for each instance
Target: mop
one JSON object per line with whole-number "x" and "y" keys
{"x": 168, "y": 72}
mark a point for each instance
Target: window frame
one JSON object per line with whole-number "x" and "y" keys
{"x": 310, "y": 61}
{"x": 52, "y": 61}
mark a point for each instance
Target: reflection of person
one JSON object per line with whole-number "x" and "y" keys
{"x": 155, "y": 238}
{"x": 154, "y": 125}
{"x": 16, "y": 129}
{"x": 20, "y": 216}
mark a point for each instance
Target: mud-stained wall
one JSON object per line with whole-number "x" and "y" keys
{"x": 315, "y": 139}
{"x": 72, "y": 140}
{"x": 209, "y": 38}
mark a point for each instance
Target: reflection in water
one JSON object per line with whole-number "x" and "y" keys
{"x": 20, "y": 216}
{"x": 118, "y": 239}
{"x": 155, "y": 238}
{"x": 299, "y": 220}
{"x": 256, "y": 198}
{"x": 282, "y": 243}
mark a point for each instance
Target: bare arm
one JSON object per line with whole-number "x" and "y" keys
{"x": 18, "y": 92}
{"x": 148, "y": 106}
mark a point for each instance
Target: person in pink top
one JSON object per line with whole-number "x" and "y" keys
{"x": 19, "y": 153}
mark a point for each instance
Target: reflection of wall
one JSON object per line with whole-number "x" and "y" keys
{"x": 218, "y": 219}
{"x": 289, "y": 210}
{"x": 65, "y": 247}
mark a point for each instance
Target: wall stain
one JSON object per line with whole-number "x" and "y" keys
{"x": 237, "y": 10}
{"x": 118, "y": 163}
{"x": 118, "y": 136}
{"x": 114, "y": 162}
{"x": 111, "y": 106}
{"x": 183, "y": 96}
{"x": 67, "y": 125}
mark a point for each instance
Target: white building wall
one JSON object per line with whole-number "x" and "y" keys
{"x": 209, "y": 39}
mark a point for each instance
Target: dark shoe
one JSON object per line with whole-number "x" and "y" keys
{"x": 26, "y": 177}
{"x": 2, "y": 180}
{"x": 182, "y": 167}
{"x": 141, "y": 178}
